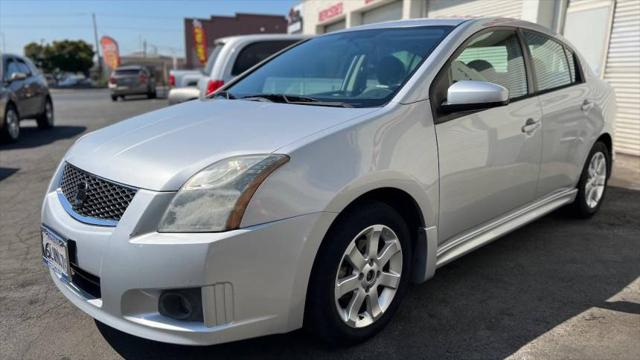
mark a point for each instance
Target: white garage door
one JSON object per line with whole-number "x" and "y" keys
{"x": 622, "y": 71}
{"x": 388, "y": 12}
{"x": 335, "y": 26}
{"x": 457, "y": 8}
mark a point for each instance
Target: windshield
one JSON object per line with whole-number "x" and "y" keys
{"x": 359, "y": 68}
{"x": 212, "y": 58}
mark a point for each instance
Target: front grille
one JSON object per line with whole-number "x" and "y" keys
{"x": 94, "y": 197}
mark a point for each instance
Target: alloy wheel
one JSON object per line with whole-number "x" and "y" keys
{"x": 596, "y": 179}
{"x": 13, "y": 124}
{"x": 368, "y": 276}
{"x": 48, "y": 112}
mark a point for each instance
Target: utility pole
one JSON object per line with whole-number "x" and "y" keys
{"x": 95, "y": 34}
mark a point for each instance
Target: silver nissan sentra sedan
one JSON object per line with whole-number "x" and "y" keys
{"x": 312, "y": 189}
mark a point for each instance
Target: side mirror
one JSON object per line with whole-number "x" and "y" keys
{"x": 17, "y": 76}
{"x": 467, "y": 95}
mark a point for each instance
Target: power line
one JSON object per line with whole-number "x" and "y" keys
{"x": 124, "y": 16}
{"x": 89, "y": 26}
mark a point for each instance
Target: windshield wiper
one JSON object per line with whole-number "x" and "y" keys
{"x": 295, "y": 99}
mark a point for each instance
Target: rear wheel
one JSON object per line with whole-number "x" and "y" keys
{"x": 10, "y": 130}
{"x": 360, "y": 275}
{"x": 114, "y": 98}
{"x": 593, "y": 182}
{"x": 46, "y": 119}
{"x": 152, "y": 93}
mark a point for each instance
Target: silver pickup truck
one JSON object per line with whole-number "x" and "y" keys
{"x": 183, "y": 85}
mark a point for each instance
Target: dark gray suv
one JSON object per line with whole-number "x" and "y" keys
{"x": 23, "y": 94}
{"x": 132, "y": 80}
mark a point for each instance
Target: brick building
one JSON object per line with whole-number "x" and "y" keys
{"x": 221, "y": 26}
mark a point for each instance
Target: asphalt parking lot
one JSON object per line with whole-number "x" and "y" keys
{"x": 556, "y": 289}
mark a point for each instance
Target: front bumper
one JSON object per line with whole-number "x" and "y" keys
{"x": 253, "y": 280}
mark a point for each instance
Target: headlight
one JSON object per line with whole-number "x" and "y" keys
{"x": 215, "y": 198}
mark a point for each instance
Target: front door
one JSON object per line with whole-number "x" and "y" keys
{"x": 18, "y": 87}
{"x": 489, "y": 159}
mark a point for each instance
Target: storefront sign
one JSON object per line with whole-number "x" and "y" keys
{"x": 200, "y": 41}
{"x": 330, "y": 12}
{"x": 110, "y": 52}
{"x": 294, "y": 20}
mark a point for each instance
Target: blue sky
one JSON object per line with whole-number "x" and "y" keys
{"x": 159, "y": 22}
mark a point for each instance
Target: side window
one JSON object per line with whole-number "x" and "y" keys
{"x": 256, "y": 52}
{"x": 32, "y": 67}
{"x": 575, "y": 78}
{"x": 495, "y": 57}
{"x": 12, "y": 67}
{"x": 24, "y": 68}
{"x": 549, "y": 62}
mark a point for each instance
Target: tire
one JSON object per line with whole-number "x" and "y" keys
{"x": 114, "y": 98}
{"x": 327, "y": 316}
{"x": 46, "y": 120}
{"x": 151, "y": 94}
{"x": 593, "y": 182}
{"x": 10, "y": 131}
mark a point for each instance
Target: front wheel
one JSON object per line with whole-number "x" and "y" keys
{"x": 593, "y": 182}
{"x": 360, "y": 274}
{"x": 46, "y": 119}
{"x": 10, "y": 130}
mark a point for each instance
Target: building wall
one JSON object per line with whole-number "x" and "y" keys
{"x": 222, "y": 26}
{"x": 622, "y": 71}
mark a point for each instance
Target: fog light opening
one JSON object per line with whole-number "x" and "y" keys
{"x": 175, "y": 305}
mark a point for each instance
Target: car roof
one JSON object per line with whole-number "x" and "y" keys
{"x": 258, "y": 37}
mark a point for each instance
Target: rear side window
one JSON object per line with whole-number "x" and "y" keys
{"x": 128, "y": 71}
{"x": 256, "y": 52}
{"x": 34, "y": 70}
{"x": 212, "y": 58}
{"x": 573, "y": 68}
{"x": 549, "y": 62}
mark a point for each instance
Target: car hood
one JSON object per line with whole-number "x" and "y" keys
{"x": 161, "y": 150}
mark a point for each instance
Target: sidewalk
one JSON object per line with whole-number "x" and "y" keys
{"x": 626, "y": 172}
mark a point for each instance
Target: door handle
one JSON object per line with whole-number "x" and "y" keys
{"x": 586, "y": 105}
{"x": 530, "y": 126}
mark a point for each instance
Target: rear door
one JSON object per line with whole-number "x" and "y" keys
{"x": 36, "y": 87}
{"x": 568, "y": 122}
{"x": 489, "y": 160}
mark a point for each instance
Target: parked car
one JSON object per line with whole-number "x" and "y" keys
{"x": 233, "y": 55}
{"x": 311, "y": 189}
{"x": 23, "y": 95}
{"x": 51, "y": 80}
{"x": 132, "y": 80}
{"x": 71, "y": 80}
